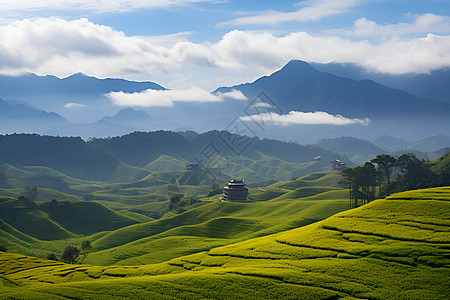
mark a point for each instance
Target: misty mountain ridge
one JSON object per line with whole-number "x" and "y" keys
{"x": 298, "y": 86}
{"x": 129, "y": 116}
{"x": 79, "y": 98}
{"x": 360, "y": 150}
{"x": 391, "y": 143}
{"x": 433, "y": 85}
{"x": 12, "y": 87}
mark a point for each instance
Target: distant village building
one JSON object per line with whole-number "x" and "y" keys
{"x": 192, "y": 167}
{"x": 338, "y": 165}
{"x": 235, "y": 190}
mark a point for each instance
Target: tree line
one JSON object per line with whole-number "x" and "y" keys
{"x": 386, "y": 174}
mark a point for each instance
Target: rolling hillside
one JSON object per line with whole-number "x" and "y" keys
{"x": 392, "y": 248}
{"x": 133, "y": 157}
{"x": 36, "y": 229}
{"x": 187, "y": 229}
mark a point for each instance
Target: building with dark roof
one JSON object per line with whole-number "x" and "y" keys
{"x": 235, "y": 190}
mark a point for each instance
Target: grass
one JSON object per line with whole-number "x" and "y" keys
{"x": 397, "y": 248}
{"x": 159, "y": 234}
{"x": 87, "y": 217}
{"x": 166, "y": 163}
{"x": 218, "y": 223}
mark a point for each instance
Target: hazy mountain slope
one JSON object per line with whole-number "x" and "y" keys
{"x": 23, "y": 118}
{"x": 432, "y": 143}
{"x": 298, "y": 86}
{"x": 77, "y": 85}
{"x": 391, "y": 143}
{"x": 69, "y": 155}
{"x": 141, "y": 148}
{"x": 433, "y": 85}
{"x": 129, "y": 116}
{"x": 393, "y": 248}
{"x": 122, "y": 159}
{"x": 350, "y": 146}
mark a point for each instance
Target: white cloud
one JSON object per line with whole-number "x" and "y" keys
{"x": 240, "y": 49}
{"x": 210, "y": 84}
{"x": 167, "y": 98}
{"x": 312, "y": 10}
{"x": 19, "y": 7}
{"x": 74, "y": 105}
{"x": 421, "y": 24}
{"x": 305, "y": 118}
{"x": 59, "y": 47}
{"x": 234, "y": 94}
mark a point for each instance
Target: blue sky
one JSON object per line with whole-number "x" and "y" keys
{"x": 205, "y": 44}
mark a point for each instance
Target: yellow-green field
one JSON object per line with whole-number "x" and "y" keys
{"x": 160, "y": 234}
{"x": 397, "y": 248}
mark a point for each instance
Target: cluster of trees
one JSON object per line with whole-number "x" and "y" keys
{"x": 375, "y": 178}
{"x": 71, "y": 253}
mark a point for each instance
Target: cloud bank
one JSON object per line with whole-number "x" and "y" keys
{"x": 421, "y": 24}
{"x": 167, "y": 98}
{"x": 60, "y": 47}
{"x": 12, "y": 7}
{"x": 74, "y": 105}
{"x": 304, "y": 118}
{"x": 312, "y": 10}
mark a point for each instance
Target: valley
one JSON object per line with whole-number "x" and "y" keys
{"x": 381, "y": 250}
{"x": 145, "y": 221}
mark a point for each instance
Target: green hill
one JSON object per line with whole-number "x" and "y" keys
{"x": 159, "y": 233}
{"x": 37, "y": 229}
{"x": 166, "y": 163}
{"x": 206, "y": 227}
{"x": 85, "y": 217}
{"x": 395, "y": 248}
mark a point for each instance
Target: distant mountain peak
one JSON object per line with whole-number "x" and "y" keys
{"x": 295, "y": 67}
{"x": 131, "y": 112}
{"x": 129, "y": 116}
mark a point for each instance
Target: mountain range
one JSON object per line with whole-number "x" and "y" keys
{"x": 77, "y": 105}
{"x": 300, "y": 87}
{"x": 433, "y": 85}
{"x": 135, "y": 156}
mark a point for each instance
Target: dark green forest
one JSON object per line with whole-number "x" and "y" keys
{"x": 386, "y": 174}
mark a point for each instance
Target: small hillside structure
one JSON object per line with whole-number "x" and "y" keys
{"x": 338, "y": 165}
{"x": 235, "y": 190}
{"x": 193, "y": 167}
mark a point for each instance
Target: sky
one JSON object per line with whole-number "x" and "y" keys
{"x": 199, "y": 45}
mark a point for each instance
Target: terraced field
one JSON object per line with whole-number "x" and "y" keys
{"x": 397, "y": 248}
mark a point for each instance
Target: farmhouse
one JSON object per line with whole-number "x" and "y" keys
{"x": 235, "y": 190}
{"x": 193, "y": 167}
{"x": 338, "y": 165}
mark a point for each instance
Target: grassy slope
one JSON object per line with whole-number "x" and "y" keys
{"x": 166, "y": 163}
{"x": 87, "y": 217}
{"x": 206, "y": 227}
{"x": 38, "y": 232}
{"x": 198, "y": 229}
{"x": 395, "y": 248}
{"x": 220, "y": 223}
